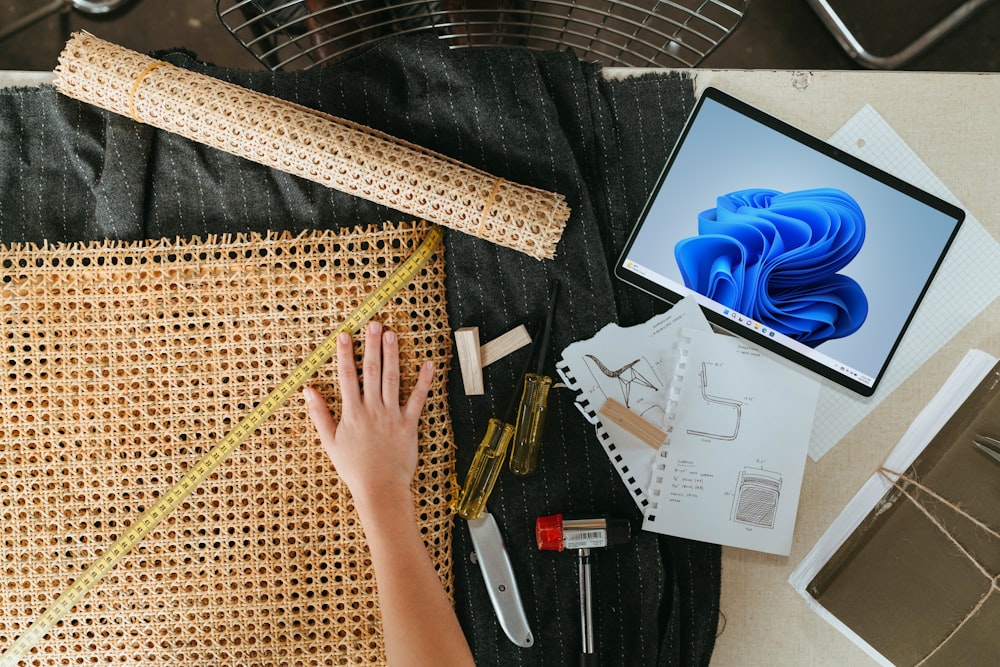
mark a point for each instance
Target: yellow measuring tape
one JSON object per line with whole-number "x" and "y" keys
{"x": 250, "y": 423}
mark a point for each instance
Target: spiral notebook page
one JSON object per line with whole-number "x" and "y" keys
{"x": 732, "y": 471}
{"x": 957, "y": 294}
{"x": 632, "y": 365}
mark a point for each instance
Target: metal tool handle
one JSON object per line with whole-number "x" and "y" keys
{"x": 588, "y": 655}
{"x": 498, "y": 573}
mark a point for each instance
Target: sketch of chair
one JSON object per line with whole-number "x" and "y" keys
{"x": 627, "y": 375}
{"x": 737, "y": 407}
{"x": 756, "y": 498}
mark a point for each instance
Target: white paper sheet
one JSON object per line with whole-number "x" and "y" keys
{"x": 732, "y": 468}
{"x": 957, "y": 294}
{"x": 633, "y": 365}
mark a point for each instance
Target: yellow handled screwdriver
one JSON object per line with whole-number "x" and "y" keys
{"x": 534, "y": 405}
{"x": 470, "y": 503}
{"x": 482, "y": 476}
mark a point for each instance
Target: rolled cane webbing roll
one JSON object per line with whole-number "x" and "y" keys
{"x": 126, "y": 362}
{"x": 322, "y": 148}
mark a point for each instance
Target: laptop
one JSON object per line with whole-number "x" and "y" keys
{"x": 788, "y": 241}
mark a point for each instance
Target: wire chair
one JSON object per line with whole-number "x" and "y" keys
{"x": 299, "y": 34}
{"x": 856, "y": 50}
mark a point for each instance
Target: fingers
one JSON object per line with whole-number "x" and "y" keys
{"x": 320, "y": 416}
{"x": 390, "y": 369}
{"x": 350, "y": 392}
{"x": 415, "y": 402}
{"x": 380, "y": 373}
{"x": 371, "y": 363}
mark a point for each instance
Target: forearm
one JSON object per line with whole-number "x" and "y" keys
{"x": 419, "y": 622}
{"x": 374, "y": 448}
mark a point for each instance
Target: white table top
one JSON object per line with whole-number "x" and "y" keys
{"x": 11, "y": 78}
{"x": 949, "y": 120}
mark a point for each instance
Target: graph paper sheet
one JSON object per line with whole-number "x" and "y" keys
{"x": 957, "y": 294}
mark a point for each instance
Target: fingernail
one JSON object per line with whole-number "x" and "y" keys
{"x": 374, "y": 327}
{"x": 390, "y": 336}
{"x": 344, "y": 337}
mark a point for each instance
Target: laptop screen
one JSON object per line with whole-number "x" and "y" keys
{"x": 788, "y": 241}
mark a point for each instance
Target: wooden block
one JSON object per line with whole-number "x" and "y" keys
{"x": 647, "y": 432}
{"x": 467, "y": 349}
{"x": 502, "y": 345}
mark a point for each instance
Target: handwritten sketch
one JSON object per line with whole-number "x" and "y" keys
{"x": 638, "y": 365}
{"x": 654, "y": 414}
{"x": 755, "y": 501}
{"x": 629, "y": 377}
{"x": 732, "y": 407}
{"x": 742, "y": 492}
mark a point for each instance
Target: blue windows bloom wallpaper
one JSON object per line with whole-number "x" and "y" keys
{"x": 775, "y": 257}
{"x": 820, "y": 254}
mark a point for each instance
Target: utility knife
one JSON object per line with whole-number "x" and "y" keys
{"x": 498, "y": 574}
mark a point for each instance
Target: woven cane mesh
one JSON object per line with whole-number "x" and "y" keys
{"x": 315, "y": 146}
{"x": 125, "y": 364}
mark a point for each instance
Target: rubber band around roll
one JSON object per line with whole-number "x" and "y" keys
{"x": 993, "y": 579}
{"x": 489, "y": 205}
{"x": 135, "y": 87}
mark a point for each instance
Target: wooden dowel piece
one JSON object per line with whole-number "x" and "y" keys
{"x": 647, "y": 432}
{"x": 467, "y": 350}
{"x": 502, "y": 345}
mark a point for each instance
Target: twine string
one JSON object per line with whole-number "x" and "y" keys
{"x": 487, "y": 207}
{"x": 135, "y": 87}
{"x": 895, "y": 478}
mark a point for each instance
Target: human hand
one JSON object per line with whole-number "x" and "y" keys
{"x": 374, "y": 446}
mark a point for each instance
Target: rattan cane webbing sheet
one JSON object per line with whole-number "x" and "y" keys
{"x": 334, "y": 152}
{"x": 126, "y": 362}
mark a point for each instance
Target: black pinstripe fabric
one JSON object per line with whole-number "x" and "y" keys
{"x": 69, "y": 172}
